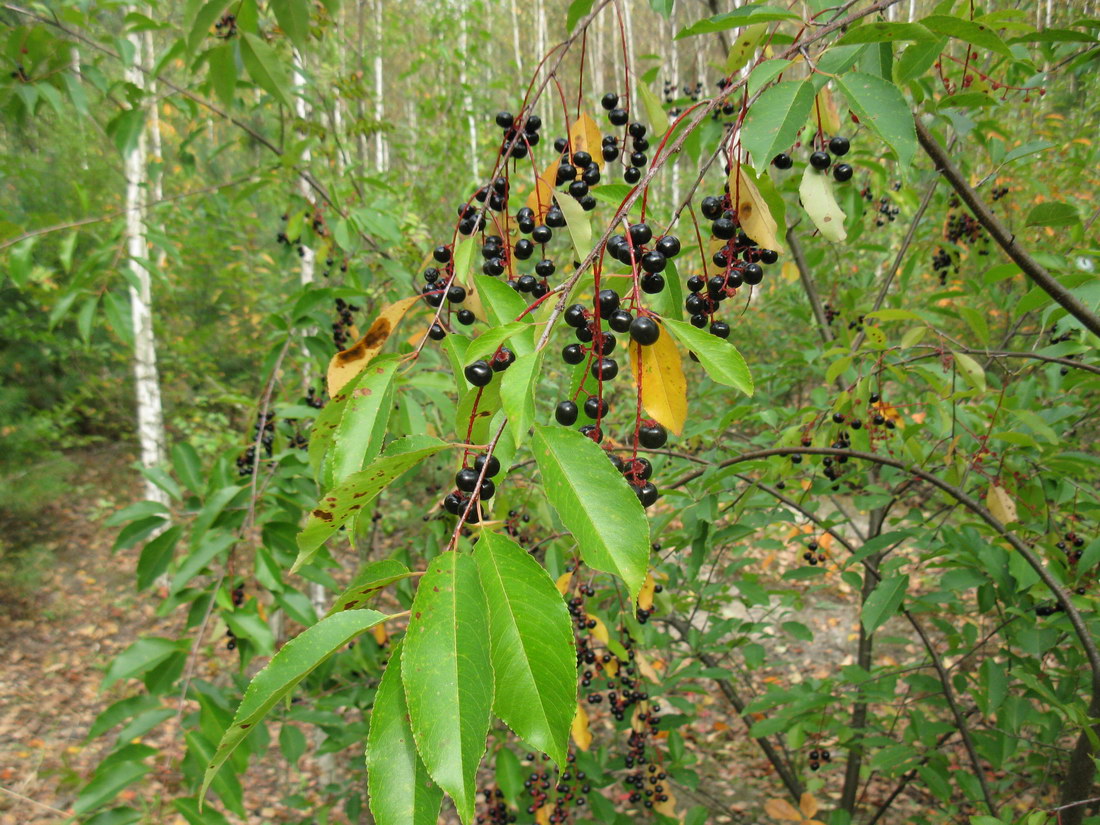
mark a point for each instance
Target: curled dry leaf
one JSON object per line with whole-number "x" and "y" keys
{"x": 664, "y": 386}
{"x": 582, "y": 736}
{"x": 345, "y": 365}
{"x": 782, "y": 809}
{"x": 752, "y": 210}
{"x": 668, "y": 806}
{"x": 816, "y": 192}
{"x": 585, "y": 135}
{"x": 1000, "y": 504}
{"x": 808, "y": 805}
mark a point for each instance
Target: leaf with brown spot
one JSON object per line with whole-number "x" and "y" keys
{"x": 347, "y": 364}
{"x": 1000, "y": 504}
{"x": 752, "y": 210}
{"x": 371, "y": 580}
{"x": 585, "y": 136}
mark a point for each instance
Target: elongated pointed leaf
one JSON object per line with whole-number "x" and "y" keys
{"x": 517, "y": 393}
{"x": 265, "y": 68}
{"x": 773, "y": 121}
{"x": 351, "y": 497}
{"x": 595, "y": 503}
{"x": 658, "y": 370}
{"x": 534, "y": 659}
{"x": 401, "y": 792}
{"x": 880, "y": 105}
{"x": 884, "y": 601}
{"x": 816, "y": 193}
{"x": 293, "y": 17}
{"x": 718, "y": 356}
{"x": 448, "y": 675}
{"x": 368, "y": 583}
{"x": 296, "y": 660}
{"x": 363, "y": 419}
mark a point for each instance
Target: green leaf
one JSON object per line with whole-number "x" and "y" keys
{"x": 662, "y": 7}
{"x": 125, "y": 129}
{"x": 577, "y": 10}
{"x": 533, "y": 655}
{"x": 265, "y": 68}
{"x": 968, "y": 31}
{"x": 200, "y": 27}
{"x": 448, "y": 676}
{"x": 293, "y": 17}
{"x": 517, "y": 393}
{"x": 971, "y": 370}
{"x": 765, "y": 73}
{"x": 294, "y": 661}
{"x": 489, "y": 341}
{"x": 594, "y": 502}
{"x": 364, "y": 418}
{"x": 369, "y": 582}
{"x": 882, "y": 107}
{"x": 917, "y": 59}
{"x": 107, "y": 783}
{"x": 718, "y": 356}
{"x": 1053, "y": 213}
{"x": 654, "y": 111}
{"x": 140, "y": 657}
{"x": 186, "y": 463}
{"x": 773, "y": 121}
{"x": 189, "y": 809}
{"x": 222, "y": 63}
{"x": 156, "y": 555}
{"x": 503, "y": 305}
{"x": 471, "y": 424}
{"x": 745, "y": 16}
{"x": 115, "y": 816}
{"x": 579, "y": 225}
{"x": 885, "y": 32}
{"x": 401, "y": 792}
{"x": 884, "y": 601}
{"x": 357, "y": 491}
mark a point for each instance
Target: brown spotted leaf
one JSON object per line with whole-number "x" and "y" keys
{"x": 347, "y": 364}
{"x": 752, "y": 211}
{"x": 585, "y": 136}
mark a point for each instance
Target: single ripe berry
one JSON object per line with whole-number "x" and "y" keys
{"x": 839, "y": 146}
{"x": 653, "y": 283}
{"x": 566, "y": 413}
{"x": 487, "y": 490}
{"x": 593, "y": 432}
{"x": 644, "y": 330}
{"x": 768, "y": 256}
{"x": 608, "y": 300}
{"x": 492, "y": 461}
{"x": 555, "y": 218}
{"x": 574, "y": 316}
{"x": 654, "y": 261}
{"x": 479, "y": 373}
{"x": 582, "y": 159}
{"x": 753, "y": 274}
{"x": 572, "y": 354}
{"x": 505, "y": 120}
{"x": 502, "y": 360}
{"x": 456, "y": 294}
{"x": 565, "y": 173}
{"x": 524, "y": 249}
{"x": 544, "y": 268}
{"x": 542, "y": 234}
{"x": 652, "y": 436}
{"x": 711, "y": 207}
{"x": 595, "y": 407}
{"x": 619, "y": 320}
{"x": 604, "y": 369}
{"x": 618, "y": 117}
{"x": 632, "y": 174}
{"x": 647, "y": 494}
{"x": 723, "y": 229}
{"x": 465, "y": 317}
{"x": 669, "y": 246}
{"x": 842, "y": 172}
{"x": 466, "y": 479}
{"x": 820, "y": 161}
{"x": 640, "y": 234}
{"x": 782, "y": 161}
{"x": 437, "y": 333}
{"x": 454, "y": 503}
{"x": 441, "y": 254}
{"x": 695, "y": 283}
{"x": 610, "y": 101}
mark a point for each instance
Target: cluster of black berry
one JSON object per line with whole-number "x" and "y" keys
{"x": 467, "y": 487}
{"x": 877, "y": 418}
{"x": 314, "y": 399}
{"x": 741, "y": 260}
{"x": 496, "y": 810}
{"x": 267, "y": 442}
{"x": 1071, "y": 538}
{"x": 820, "y": 160}
{"x": 570, "y": 787}
{"x": 341, "y": 327}
{"x": 814, "y": 554}
{"x": 226, "y": 27}
{"x": 817, "y": 756}
{"x": 857, "y": 324}
{"x": 637, "y": 159}
{"x": 523, "y": 130}
{"x": 962, "y": 227}
{"x": 514, "y": 526}
{"x": 831, "y": 313}
{"x": 999, "y": 193}
{"x": 942, "y": 261}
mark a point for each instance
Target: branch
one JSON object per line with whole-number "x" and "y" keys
{"x": 809, "y": 286}
{"x": 1000, "y": 233}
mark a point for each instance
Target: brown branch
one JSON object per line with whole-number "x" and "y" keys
{"x": 809, "y": 286}
{"x": 1000, "y": 233}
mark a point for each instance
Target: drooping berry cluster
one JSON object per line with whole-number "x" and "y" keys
{"x": 818, "y": 756}
{"x": 495, "y": 811}
{"x": 267, "y": 443}
{"x": 341, "y": 327}
{"x": 467, "y": 487}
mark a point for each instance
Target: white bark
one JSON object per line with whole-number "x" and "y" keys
{"x": 632, "y": 69}
{"x": 463, "y": 80}
{"x": 540, "y": 30}
{"x": 515, "y": 38}
{"x": 381, "y": 150}
{"x": 150, "y": 414}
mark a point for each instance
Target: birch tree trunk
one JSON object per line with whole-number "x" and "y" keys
{"x": 381, "y": 150}
{"x": 515, "y": 38}
{"x": 150, "y": 414}
{"x": 463, "y": 79}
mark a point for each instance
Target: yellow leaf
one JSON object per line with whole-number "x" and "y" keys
{"x": 744, "y": 46}
{"x": 808, "y": 805}
{"x": 564, "y": 580}
{"x": 542, "y": 816}
{"x": 645, "y": 595}
{"x": 828, "y": 112}
{"x": 543, "y": 194}
{"x": 664, "y": 387}
{"x": 668, "y": 807}
{"x": 782, "y": 809}
{"x": 752, "y": 212}
{"x": 1000, "y": 504}
{"x": 816, "y": 191}
{"x": 612, "y": 668}
{"x": 585, "y": 135}
{"x": 600, "y": 630}
{"x": 345, "y": 365}
{"x": 380, "y": 634}
{"x": 582, "y": 737}
{"x": 645, "y": 668}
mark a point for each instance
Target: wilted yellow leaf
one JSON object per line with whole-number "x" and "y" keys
{"x": 645, "y": 595}
{"x": 542, "y": 816}
{"x": 645, "y": 668}
{"x": 782, "y": 809}
{"x": 808, "y": 805}
{"x": 543, "y": 194}
{"x": 564, "y": 580}
{"x": 380, "y": 634}
{"x": 744, "y": 46}
{"x": 582, "y": 736}
{"x": 816, "y": 191}
{"x": 828, "y": 112}
{"x": 585, "y": 135}
{"x": 664, "y": 387}
{"x": 345, "y": 365}
{"x": 752, "y": 211}
{"x": 600, "y": 630}
{"x": 1000, "y": 504}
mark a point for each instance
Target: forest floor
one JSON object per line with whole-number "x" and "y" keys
{"x": 85, "y": 611}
